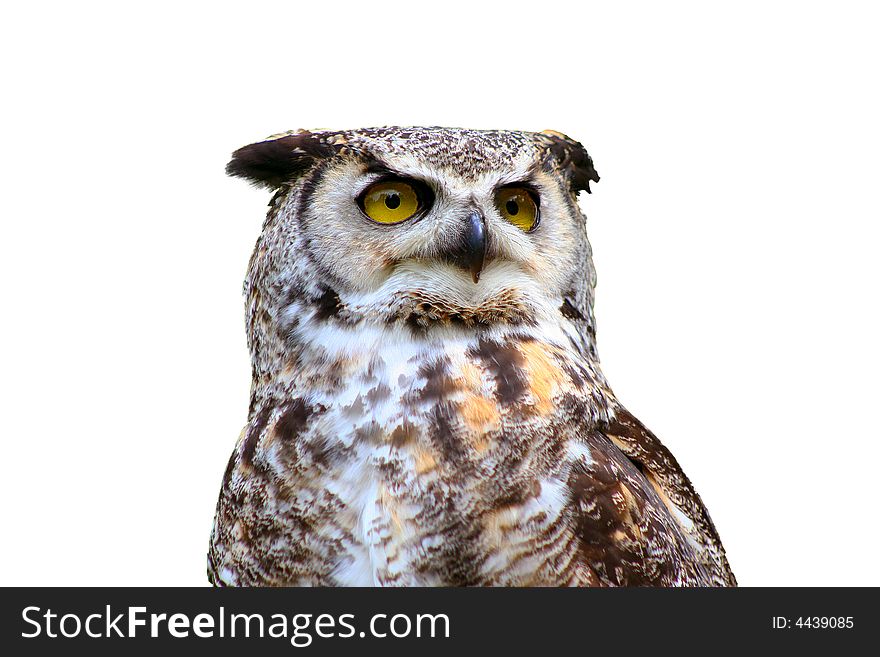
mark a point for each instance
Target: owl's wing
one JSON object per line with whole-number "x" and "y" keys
{"x": 272, "y": 498}
{"x": 640, "y": 520}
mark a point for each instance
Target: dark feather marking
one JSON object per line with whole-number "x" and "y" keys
{"x": 517, "y": 494}
{"x": 375, "y": 165}
{"x": 294, "y": 419}
{"x": 568, "y": 310}
{"x": 446, "y": 438}
{"x": 276, "y": 162}
{"x": 373, "y": 432}
{"x": 309, "y": 185}
{"x": 505, "y": 363}
{"x": 327, "y": 305}
{"x": 293, "y": 422}
{"x": 403, "y": 434}
{"x": 378, "y": 394}
{"x": 303, "y": 205}
{"x": 254, "y": 430}
{"x": 573, "y": 160}
{"x": 322, "y": 452}
{"x": 419, "y": 317}
{"x": 438, "y": 384}
{"x": 574, "y": 374}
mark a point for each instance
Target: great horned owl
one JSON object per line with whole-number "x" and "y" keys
{"x": 427, "y": 406}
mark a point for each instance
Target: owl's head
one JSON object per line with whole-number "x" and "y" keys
{"x": 423, "y": 226}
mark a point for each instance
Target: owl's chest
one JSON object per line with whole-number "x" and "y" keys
{"x": 450, "y": 464}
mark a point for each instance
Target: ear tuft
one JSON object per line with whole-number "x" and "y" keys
{"x": 570, "y": 157}
{"x": 277, "y": 161}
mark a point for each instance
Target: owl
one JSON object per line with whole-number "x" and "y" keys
{"x": 427, "y": 406}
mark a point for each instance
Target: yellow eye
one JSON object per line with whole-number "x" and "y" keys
{"x": 517, "y": 205}
{"x": 390, "y": 202}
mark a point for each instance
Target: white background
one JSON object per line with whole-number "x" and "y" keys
{"x": 735, "y": 231}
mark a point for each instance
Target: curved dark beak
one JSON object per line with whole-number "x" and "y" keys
{"x": 470, "y": 253}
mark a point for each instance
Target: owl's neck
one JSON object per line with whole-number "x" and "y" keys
{"x": 313, "y": 345}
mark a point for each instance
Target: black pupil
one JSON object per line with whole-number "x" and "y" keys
{"x": 392, "y": 201}
{"x": 512, "y": 207}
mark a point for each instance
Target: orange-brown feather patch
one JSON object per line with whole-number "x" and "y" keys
{"x": 545, "y": 375}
